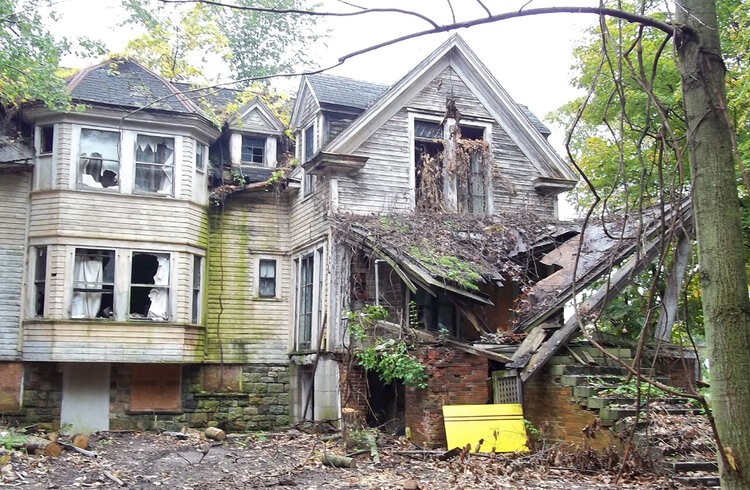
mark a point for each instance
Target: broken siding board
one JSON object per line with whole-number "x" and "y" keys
{"x": 240, "y": 326}
{"x": 13, "y": 228}
{"x": 117, "y": 217}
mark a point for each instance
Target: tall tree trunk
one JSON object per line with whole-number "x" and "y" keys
{"x": 726, "y": 308}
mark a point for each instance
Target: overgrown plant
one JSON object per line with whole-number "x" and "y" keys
{"x": 388, "y": 358}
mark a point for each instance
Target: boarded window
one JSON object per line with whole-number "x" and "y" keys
{"x": 99, "y": 159}
{"x": 155, "y": 387}
{"x": 154, "y": 164}
{"x": 267, "y": 278}
{"x": 93, "y": 284}
{"x": 11, "y": 378}
{"x": 40, "y": 280}
{"x": 253, "y": 149}
{"x": 149, "y": 287}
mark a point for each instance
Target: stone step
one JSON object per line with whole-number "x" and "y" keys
{"x": 562, "y": 369}
{"x": 611, "y": 414}
{"x": 699, "y": 481}
{"x": 685, "y": 466}
{"x": 596, "y": 402}
{"x": 585, "y": 379}
{"x": 621, "y": 353}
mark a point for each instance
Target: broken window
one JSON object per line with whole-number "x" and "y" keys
{"x": 40, "y": 280}
{"x": 149, "y": 286}
{"x": 471, "y": 183}
{"x": 93, "y": 284}
{"x": 99, "y": 159}
{"x": 267, "y": 278}
{"x": 195, "y": 315}
{"x": 428, "y": 164}
{"x": 253, "y": 149}
{"x": 154, "y": 164}
{"x": 437, "y": 313}
{"x": 200, "y": 156}
{"x": 46, "y": 139}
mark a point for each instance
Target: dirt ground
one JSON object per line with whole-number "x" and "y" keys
{"x": 291, "y": 459}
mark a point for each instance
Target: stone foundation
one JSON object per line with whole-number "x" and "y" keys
{"x": 247, "y": 397}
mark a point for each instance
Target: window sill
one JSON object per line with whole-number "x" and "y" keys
{"x": 274, "y": 299}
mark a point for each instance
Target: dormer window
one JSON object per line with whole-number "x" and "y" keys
{"x": 253, "y": 150}
{"x": 309, "y": 143}
{"x": 99, "y": 159}
{"x": 46, "y": 139}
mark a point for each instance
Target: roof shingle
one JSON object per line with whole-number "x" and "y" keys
{"x": 341, "y": 91}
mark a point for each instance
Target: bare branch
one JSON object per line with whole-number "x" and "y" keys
{"x": 453, "y": 12}
{"x": 481, "y": 4}
{"x": 272, "y": 10}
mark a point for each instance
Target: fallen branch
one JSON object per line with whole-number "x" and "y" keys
{"x": 112, "y": 477}
{"x": 85, "y": 452}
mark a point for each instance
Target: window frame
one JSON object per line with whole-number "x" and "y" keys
{"x": 201, "y": 155}
{"x": 261, "y": 141}
{"x": 272, "y": 280}
{"x": 305, "y": 335}
{"x": 105, "y": 287}
{"x": 43, "y": 136}
{"x": 37, "y": 252}
{"x": 155, "y": 165}
{"x": 79, "y": 183}
{"x": 168, "y": 313}
{"x": 196, "y": 289}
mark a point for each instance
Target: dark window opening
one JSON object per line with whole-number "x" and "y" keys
{"x": 40, "y": 280}
{"x": 200, "y": 156}
{"x": 93, "y": 284}
{"x": 149, "y": 286}
{"x": 267, "y": 278}
{"x": 47, "y": 139}
{"x": 309, "y": 143}
{"x": 428, "y": 174}
{"x": 438, "y": 314}
{"x": 253, "y": 149}
{"x": 154, "y": 164}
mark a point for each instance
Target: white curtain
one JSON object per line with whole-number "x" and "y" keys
{"x": 158, "y": 310}
{"x": 87, "y": 274}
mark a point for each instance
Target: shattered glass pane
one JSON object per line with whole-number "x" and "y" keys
{"x": 428, "y": 130}
{"x": 99, "y": 159}
{"x": 154, "y": 164}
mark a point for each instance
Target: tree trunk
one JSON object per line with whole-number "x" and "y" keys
{"x": 717, "y": 220}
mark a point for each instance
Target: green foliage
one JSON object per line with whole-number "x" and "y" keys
{"x": 630, "y": 390}
{"x": 30, "y": 56}
{"x": 180, "y": 40}
{"x": 389, "y": 358}
{"x": 448, "y": 267}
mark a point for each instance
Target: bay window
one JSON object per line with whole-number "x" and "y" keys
{"x": 149, "y": 286}
{"x": 93, "y": 284}
{"x": 154, "y": 164}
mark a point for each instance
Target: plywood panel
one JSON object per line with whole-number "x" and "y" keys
{"x": 155, "y": 387}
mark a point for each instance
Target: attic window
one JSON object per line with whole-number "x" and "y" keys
{"x": 99, "y": 159}
{"x": 471, "y": 183}
{"x": 428, "y": 164}
{"x": 154, "y": 164}
{"x": 149, "y": 286}
{"x": 428, "y": 130}
{"x": 253, "y": 149}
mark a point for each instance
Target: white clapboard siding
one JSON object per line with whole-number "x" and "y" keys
{"x": 241, "y": 327}
{"x": 117, "y": 217}
{"x": 309, "y": 215}
{"x": 309, "y": 107}
{"x": 383, "y": 185}
{"x": 103, "y": 341}
{"x": 186, "y": 169}
{"x": 64, "y": 135}
{"x": 14, "y": 189}
{"x": 449, "y": 85}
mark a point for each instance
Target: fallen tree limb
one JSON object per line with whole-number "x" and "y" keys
{"x": 336, "y": 461}
{"x": 85, "y": 452}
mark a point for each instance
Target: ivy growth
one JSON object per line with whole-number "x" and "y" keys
{"x": 389, "y": 358}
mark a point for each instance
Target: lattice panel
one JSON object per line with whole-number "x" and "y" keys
{"x": 506, "y": 387}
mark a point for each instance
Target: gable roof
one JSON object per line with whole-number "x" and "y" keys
{"x": 127, "y": 83}
{"x": 264, "y": 120}
{"x": 512, "y": 118}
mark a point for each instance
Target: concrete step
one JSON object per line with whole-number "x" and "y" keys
{"x": 596, "y": 402}
{"x": 562, "y": 369}
{"x": 621, "y": 353}
{"x": 685, "y": 466}
{"x": 612, "y": 413}
{"x": 585, "y": 379}
{"x": 699, "y": 481}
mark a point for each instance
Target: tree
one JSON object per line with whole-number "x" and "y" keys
{"x": 29, "y": 59}
{"x": 726, "y": 307}
{"x": 180, "y": 41}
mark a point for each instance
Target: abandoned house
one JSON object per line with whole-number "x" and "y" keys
{"x": 142, "y": 291}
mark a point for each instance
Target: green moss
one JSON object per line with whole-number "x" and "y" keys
{"x": 448, "y": 267}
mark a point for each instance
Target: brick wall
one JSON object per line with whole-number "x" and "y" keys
{"x": 455, "y": 378}
{"x": 551, "y": 408}
{"x": 682, "y": 372}
{"x": 354, "y": 391}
